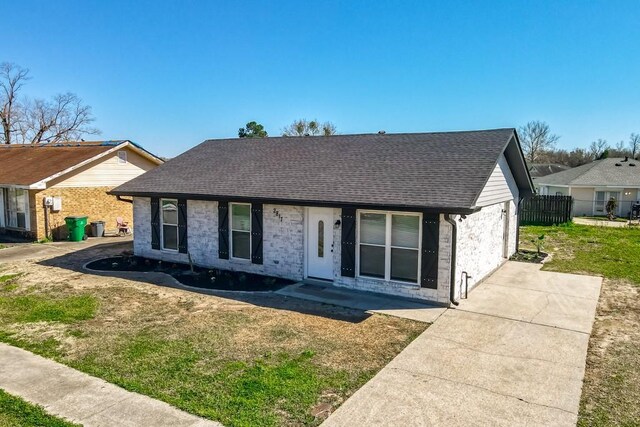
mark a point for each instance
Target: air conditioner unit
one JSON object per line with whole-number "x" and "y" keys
{"x": 48, "y": 201}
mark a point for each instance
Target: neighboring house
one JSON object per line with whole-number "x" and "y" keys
{"x": 402, "y": 214}
{"x": 538, "y": 170}
{"x": 73, "y": 176}
{"x": 593, "y": 184}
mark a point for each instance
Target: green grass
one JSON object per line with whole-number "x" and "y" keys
{"x": 611, "y": 389}
{"x": 3, "y": 246}
{"x": 236, "y": 363}
{"x": 236, "y": 392}
{"x": 43, "y": 308}
{"x": 610, "y": 252}
{"x": 15, "y": 412}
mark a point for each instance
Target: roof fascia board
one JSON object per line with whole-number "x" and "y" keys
{"x": 19, "y": 187}
{"x": 43, "y": 183}
{"x": 144, "y": 153}
{"x": 312, "y": 203}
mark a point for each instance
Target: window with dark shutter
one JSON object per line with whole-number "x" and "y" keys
{"x": 256, "y": 233}
{"x": 223, "y": 230}
{"x": 348, "y": 243}
{"x": 430, "y": 242}
{"x": 155, "y": 223}
{"x": 182, "y": 226}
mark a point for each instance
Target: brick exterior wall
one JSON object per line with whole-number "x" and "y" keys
{"x": 283, "y": 239}
{"x": 91, "y": 201}
{"x": 283, "y": 248}
{"x": 480, "y": 243}
{"x": 440, "y": 295}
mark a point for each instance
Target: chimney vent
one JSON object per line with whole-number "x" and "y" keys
{"x": 382, "y": 132}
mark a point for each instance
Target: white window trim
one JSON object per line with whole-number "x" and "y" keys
{"x": 388, "y": 246}
{"x": 607, "y": 195}
{"x": 231, "y": 230}
{"x": 122, "y": 157}
{"x": 27, "y": 210}
{"x": 162, "y": 227}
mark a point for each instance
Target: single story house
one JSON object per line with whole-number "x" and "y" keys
{"x": 42, "y": 184}
{"x": 593, "y": 184}
{"x": 419, "y": 215}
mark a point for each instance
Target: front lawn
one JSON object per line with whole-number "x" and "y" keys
{"x": 256, "y": 360}
{"x": 15, "y": 412}
{"x": 611, "y": 389}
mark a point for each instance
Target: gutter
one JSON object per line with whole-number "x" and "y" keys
{"x": 454, "y": 244}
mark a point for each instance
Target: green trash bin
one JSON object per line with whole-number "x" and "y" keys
{"x": 76, "y": 225}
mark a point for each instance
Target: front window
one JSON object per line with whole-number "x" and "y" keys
{"x": 241, "y": 230}
{"x": 170, "y": 224}
{"x": 602, "y": 197}
{"x": 389, "y": 245}
{"x": 17, "y": 208}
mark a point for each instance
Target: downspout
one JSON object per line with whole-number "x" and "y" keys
{"x": 454, "y": 244}
{"x": 518, "y": 224}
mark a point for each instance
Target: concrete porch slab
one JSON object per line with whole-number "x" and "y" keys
{"x": 365, "y": 301}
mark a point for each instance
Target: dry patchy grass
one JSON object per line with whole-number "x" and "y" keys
{"x": 250, "y": 360}
{"x": 611, "y": 389}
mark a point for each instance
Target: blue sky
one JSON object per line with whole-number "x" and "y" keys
{"x": 171, "y": 74}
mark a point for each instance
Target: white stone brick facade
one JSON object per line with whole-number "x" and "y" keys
{"x": 283, "y": 239}
{"x": 480, "y": 246}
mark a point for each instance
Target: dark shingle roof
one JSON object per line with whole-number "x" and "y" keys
{"x": 598, "y": 173}
{"x": 444, "y": 170}
{"x": 538, "y": 170}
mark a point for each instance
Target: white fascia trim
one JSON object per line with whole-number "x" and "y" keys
{"x": 42, "y": 184}
{"x": 19, "y": 187}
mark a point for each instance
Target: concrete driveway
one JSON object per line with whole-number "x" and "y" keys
{"x": 32, "y": 251}
{"x": 512, "y": 354}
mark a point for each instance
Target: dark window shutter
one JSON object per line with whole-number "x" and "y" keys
{"x": 430, "y": 241}
{"x": 182, "y": 226}
{"x": 348, "y": 244}
{"x": 155, "y": 223}
{"x": 256, "y": 233}
{"x": 223, "y": 230}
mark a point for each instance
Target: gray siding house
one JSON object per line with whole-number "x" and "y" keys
{"x": 593, "y": 184}
{"x": 417, "y": 215}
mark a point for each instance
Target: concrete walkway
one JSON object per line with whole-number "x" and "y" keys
{"x": 83, "y": 399}
{"x": 600, "y": 222}
{"x": 365, "y": 301}
{"x": 512, "y": 354}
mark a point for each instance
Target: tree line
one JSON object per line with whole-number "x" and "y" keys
{"x": 299, "y": 127}
{"x": 27, "y": 120}
{"x": 539, "y": 146}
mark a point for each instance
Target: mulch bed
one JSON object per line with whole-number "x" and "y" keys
{"x": 529, "y": 256}
{"x": 198, "y": 278}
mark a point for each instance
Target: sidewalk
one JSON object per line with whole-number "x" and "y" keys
{"x": 84, "y": 399}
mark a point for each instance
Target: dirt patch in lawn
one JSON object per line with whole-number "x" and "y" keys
{"x": 239, "y": 358}
{"x": 611, "y": 390}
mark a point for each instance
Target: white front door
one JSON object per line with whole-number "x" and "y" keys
{"x": 320, "y": 243}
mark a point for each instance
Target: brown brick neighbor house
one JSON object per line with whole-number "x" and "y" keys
{"x": 73, "y": 178}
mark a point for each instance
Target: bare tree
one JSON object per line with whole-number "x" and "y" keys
{"x": 12, "y": 78}
{"x": 599, "y": 149}
{"x": 33, "y": 121}
{"x": 303, "y": 127}
{"x": 634, "y": 144}
{"x": 536, "y": 137}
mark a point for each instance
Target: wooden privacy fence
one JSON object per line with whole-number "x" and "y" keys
{"x": 545, "y": 210}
